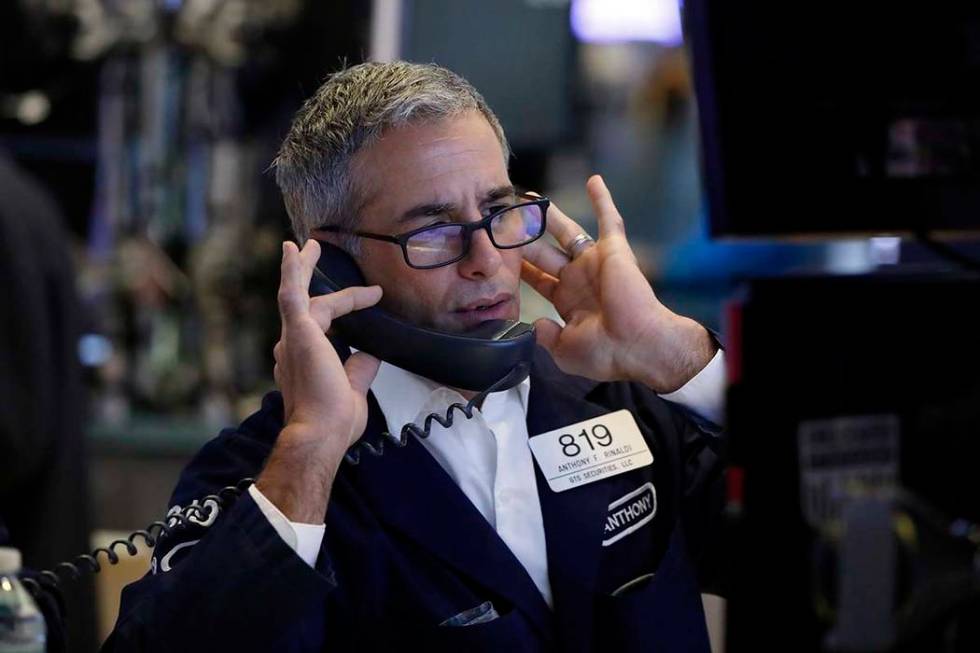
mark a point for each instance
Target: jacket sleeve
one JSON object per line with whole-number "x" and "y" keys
{"x": 707, "y": 529}
{"x": 226, "y": 580}
{"x": 700, "y": 454}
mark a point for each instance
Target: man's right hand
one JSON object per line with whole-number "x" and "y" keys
{"x": 325, "y": 401}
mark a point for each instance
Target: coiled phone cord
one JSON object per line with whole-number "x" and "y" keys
{"x": 155, "y": 532}
{"x": 353, "y": 455}
{"x": 151, "y": 535}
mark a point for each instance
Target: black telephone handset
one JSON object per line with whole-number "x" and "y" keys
{"x": 498, "y": 353}
{"x": 496, "y": 356}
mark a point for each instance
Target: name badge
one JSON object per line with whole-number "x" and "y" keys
{"x": 592, "y": 450}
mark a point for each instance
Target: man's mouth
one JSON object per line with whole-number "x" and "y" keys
{"x": 499, "y": 307}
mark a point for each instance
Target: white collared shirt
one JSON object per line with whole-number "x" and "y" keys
{"x": 487, "y": 457}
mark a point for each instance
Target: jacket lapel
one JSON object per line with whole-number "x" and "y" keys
{"x": 411, "y": 492}
{"x": 573, "y": 519}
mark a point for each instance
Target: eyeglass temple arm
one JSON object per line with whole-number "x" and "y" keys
{"x": 353, "y": 232}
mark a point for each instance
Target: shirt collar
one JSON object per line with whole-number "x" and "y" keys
{"x": 405, "y": 397}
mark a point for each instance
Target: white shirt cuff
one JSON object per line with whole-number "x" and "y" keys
{"x": 705, "y": 393}
{"x": 304, "y": 539}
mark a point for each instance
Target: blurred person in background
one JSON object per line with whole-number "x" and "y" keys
{"x": 43, "y": 493}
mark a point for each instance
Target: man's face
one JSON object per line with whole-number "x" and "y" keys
{"x": 446, "y": 171}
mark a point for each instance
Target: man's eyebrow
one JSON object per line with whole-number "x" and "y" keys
{"x": 422, "y": 210}
{"x": 497, "y": 193}
{"x": 439, "y": 208}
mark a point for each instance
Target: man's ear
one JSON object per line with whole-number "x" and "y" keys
{"x": 339, "y": 240}
{"x": 320, "y": 234}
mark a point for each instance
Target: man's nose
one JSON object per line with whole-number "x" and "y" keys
{"x": 483, "y": 259}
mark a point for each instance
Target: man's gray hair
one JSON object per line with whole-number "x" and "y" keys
{"x": 351, "y": 110}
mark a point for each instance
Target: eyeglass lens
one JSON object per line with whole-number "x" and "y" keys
{"x": 512, "y": 228}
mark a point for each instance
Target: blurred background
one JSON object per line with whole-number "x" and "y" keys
{"x": 142, "y": 228}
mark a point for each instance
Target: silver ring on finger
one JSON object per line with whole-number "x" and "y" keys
{"x": 579, "y": 244}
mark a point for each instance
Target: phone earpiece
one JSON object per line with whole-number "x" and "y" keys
{"x": 338, "y": 270}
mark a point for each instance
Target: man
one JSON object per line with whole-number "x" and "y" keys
{"x": 458, "y": 541}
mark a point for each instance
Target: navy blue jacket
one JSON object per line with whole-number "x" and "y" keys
{"x": 405, "y": 549}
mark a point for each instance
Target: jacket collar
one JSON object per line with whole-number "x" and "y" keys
{"x": 573, "y": 518}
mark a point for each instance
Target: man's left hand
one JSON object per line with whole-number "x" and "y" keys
{"x": 615, "y": 327}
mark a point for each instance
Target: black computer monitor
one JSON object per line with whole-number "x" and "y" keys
{"x": 819, "y": 117}
{"x": 854, "y": 434}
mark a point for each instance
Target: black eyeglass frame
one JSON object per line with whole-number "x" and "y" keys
{"x": 468, "y": 229}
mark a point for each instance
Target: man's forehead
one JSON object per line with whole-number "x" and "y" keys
{"x": 454, "y": 205}
{"x": 452, "y": 162}
{"x": 436, "y": 201}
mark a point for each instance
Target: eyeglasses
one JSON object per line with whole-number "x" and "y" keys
{"x": 445, "y": 243}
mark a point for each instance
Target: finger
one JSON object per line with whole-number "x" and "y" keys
{"x": 293, "y": 298}
{"x": 542, "y": 282}
{"x": 361, "y": 369}
{"x": 309, "y": 257}
{"x": 546, "y": 333}
{"x": 545, "y": 256}
{"x": 327, "y": 308}
{"x": 610, "y": 221}
{"x": 562, "y": 227}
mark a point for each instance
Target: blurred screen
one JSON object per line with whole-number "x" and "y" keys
{"x": 518, "y": 54}
{"x": 819, "y": 119}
